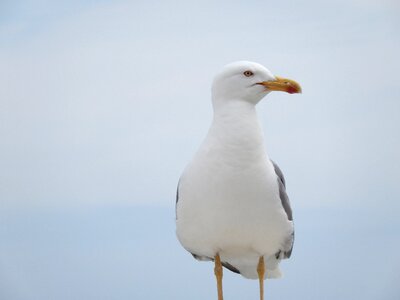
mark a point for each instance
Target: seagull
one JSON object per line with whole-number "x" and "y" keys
{"x": 231, "y": 204}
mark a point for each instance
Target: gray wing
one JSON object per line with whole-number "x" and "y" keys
{"x": 177, "y": 199}
{"x": 282, "y": 192}
{"x": 286, "y": 206}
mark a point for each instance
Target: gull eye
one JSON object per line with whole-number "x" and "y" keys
{"x": 248, "y": 73}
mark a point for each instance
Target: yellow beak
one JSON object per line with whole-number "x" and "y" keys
{"x": 283, "y": 85}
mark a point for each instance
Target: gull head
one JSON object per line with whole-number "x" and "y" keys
{"x": 249, "y": 81}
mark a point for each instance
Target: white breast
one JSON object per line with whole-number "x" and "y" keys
{"x": 229, "y": 197}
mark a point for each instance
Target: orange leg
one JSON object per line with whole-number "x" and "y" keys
{"x": 261, "y": 273}
{"x": 218, "y": 274}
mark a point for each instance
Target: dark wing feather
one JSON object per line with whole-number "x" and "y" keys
{"x": 225, "y": 264}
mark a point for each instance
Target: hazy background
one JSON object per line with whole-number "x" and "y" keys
{"x": 102, "y": 104}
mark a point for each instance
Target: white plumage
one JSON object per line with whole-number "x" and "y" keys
{"x": 229, "y": 200}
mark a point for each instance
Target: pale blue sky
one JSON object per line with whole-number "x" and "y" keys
{"x": 104, "y": 102}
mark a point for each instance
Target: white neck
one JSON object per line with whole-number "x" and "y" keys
{"x": 236, "y": 130}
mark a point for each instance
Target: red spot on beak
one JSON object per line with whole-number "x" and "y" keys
{"x": 292, "y": 90}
